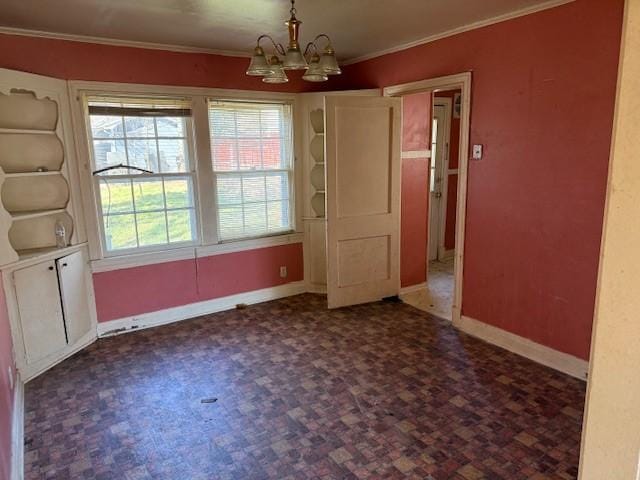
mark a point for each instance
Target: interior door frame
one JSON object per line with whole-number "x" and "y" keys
{"x": 444, "y": 175}
{"x": 460, "y": 81}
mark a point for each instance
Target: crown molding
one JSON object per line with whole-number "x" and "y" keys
{"x": 120, "y": 43}
{"x": 232, "y": 53}
{"x": 466, "y": 28}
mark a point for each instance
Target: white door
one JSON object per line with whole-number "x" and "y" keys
{"x": 75, "y": 295}
{"x": 362, "y": 156}
{"x": 439, "y": 159}
{"x": 41, "y": 319}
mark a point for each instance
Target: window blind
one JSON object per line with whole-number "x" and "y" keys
{"x": 139, "y": 107}
{"x": 251, "y": 150}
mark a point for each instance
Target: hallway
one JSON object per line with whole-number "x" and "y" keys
{"x": 437, "y": 298}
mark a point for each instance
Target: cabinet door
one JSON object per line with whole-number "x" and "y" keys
{"x": 40, "y": 310}
{"x": 75, "y": 295}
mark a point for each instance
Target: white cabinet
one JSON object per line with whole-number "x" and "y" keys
{"x": 75, "y": 294}
{"x": 49, "y": 290}
{"x": 51, "y": 307}
{"x": 38, "y": 298}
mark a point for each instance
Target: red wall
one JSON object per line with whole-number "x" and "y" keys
{"x": 168, "y": 284}
{"x": 133, "y": 291}
{"x": 452, "y": 186}
{"x": 107, "y": 63}
{"x": 175, "y": 283}
{"x": 6, "y": 393}
{"x": 416, "y": 127}
{"x": 542, "y": 105}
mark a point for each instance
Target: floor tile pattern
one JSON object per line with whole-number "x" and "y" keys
{"x": 289, "y": 390}
{"x": 437, "y": 297}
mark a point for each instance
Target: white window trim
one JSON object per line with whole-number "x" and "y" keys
{"x": 193, "y": 174}
{"x": 190, "y": 253}
{"x": 291, "y": 174}
{"x": 207, "y": 243}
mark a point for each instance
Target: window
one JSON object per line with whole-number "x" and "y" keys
{"x": 143, "y": 210}
{"x": 251, "y": 148}
{"x": 153, "y": 192}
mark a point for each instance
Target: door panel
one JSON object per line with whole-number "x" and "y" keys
{"x": 362, "y": 260}
{"x": 363, "y": 198}
{"x": 75, "y": 295}
{"x": 363, "y": 161}
{"x": 40, "y": 310}
{"x": 439, "y": 155}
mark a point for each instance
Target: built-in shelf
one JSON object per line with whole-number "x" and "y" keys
{"x": 39, "y": 252}
{"x": 25, "y": 130}
{"x": 31, "y": 174}
{"x": 35, "y": 189}
{"x": 317, "y": 168}
{"x": 36, "y": 214}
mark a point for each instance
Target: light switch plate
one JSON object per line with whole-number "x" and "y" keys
{"x": 477, "y": 152}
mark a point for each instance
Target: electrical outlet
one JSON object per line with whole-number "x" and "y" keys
{"x": 477, "y": 152}
{"x": 283, "y": 272}
{"x": 10, "y": 376}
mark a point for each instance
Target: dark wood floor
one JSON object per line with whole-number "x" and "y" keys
{"x": 375, "y": 391}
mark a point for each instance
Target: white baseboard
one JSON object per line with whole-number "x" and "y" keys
{"x": 320, "y": 289}
{"x": 576, "y": 367}
{"x": 17, "y": 432}
{"x": 31, "y": 371}
{"x": 184, "y": 312}
{"x": 413, "y": 288}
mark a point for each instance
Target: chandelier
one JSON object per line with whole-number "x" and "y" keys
{"x": 319, "y": 65}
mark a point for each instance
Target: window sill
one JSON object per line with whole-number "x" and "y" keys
{"x": 187, "y": 253}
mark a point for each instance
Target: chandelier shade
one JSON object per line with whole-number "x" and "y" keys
{"x": 276, "y": 75}
{"x": 315, "y": 73}
{"x": 328, "y": 62}
{"x": 294, "y": 59}
{"x": 317, "y": 66}
{"x": 259, "y": 65}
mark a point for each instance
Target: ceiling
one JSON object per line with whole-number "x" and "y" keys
{"x": 358, "y": 27}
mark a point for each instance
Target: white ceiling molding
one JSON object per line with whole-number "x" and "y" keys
{"x": 456, "y": 31}
{"x": 121, "y": 43}
{"x": 245, "y": 53}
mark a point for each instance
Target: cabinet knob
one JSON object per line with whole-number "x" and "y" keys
{"x": 64, "y": 264}
{"x": 51, "y": 268}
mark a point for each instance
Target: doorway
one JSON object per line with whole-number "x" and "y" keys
{"x": 447, "y": 125}
{"x": 438, "y": 167}
{"x": 445, "y": 136}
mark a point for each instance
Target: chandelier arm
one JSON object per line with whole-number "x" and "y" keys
{"x": 309, "y": 46}
{"x": 325, "y": 36}
{"x": 279, "y": 48}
